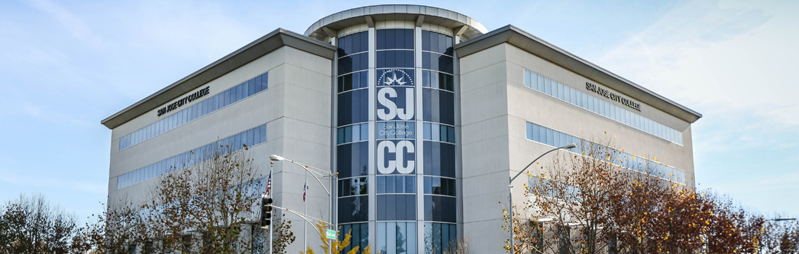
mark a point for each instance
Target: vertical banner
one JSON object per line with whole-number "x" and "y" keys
{"x": 396, "y": 149}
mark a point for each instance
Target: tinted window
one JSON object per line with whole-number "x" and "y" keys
{"x": 354, "y": 43}
{"x": 353, "y": 209}
{"x": 352, "y": 159}
{"x": 439, "y": 159}
{"x": 353, "y": 107}
{"x": 439, "y": 106}
{"x": 436, "y": 42}
{"x": 396, "y": 207}
{"x": 394, "y": 39}
{"x": 438, "y": 208}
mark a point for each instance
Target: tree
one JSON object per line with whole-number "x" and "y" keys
{"x": 780, "y": 237}
{"x": 208, "y": 203}
{"x": 337, "y": 246}
{"x": 595, "y": 203}
{"x": 36, "y": 226}
{"x": 459, "y": 246}
{"x": 209, "y": 200}
{"x": 566, "y": 211}
{"x": 282, "y": 236}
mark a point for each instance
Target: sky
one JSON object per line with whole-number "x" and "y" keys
{"x": 66, "y": 65}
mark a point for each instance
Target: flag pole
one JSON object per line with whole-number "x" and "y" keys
{"x": 270, "y": 196}
{"x": 305, "y": 225}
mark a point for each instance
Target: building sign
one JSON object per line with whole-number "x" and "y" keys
{"x": 395, "y": 96}
{"x": 396, "y": 155}
{"x": 610, "y": 95}
{"x": 184, "y": 100}
{"x": 395, "y": 102}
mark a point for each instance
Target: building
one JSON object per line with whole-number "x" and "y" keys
{"x": 423, "y": 112}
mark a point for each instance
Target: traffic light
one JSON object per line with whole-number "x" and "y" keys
{"x": 266, "y": 211}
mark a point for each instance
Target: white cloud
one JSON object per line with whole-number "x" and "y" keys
{"x": 724, "y": 58}
{"x": 73, "y": 23}
{"x": 733, "y": 62}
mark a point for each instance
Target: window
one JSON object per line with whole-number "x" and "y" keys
{"x": 438, "y": 80}
{"x": 193, "y": 157}
{"x": 437, "y": 62}
{"x": 352, "y": 133}
{"x": 353, "y": 187}
{"x": 439, "y": 236}
{"x": 353, "y": 209}
{"x": 353, "y": 107}
{"x": 599, "y": 106}
{"x": 396, "y": 207}
{"x": 436, "y": 42}
{"x": 439, "y": 159}
{"x": 557, "y": 139}
{"x": 258, "y": 84}
{"x": 439, "y": 106}
{"x": 394, "y": 39}
{"x": 353, "y": 159}
{"x": 439, "y": 186}
{"x": 439, "y": 208}
{"x": 353, "y": 63}
{"x": 396, "y": 237}
{"x": 354, "y": 43}
{"x": 439, "y": 132}
{"x": 396, "y": 184}
{"x": 360, "y": 235}
{"x": 353, "y": 81}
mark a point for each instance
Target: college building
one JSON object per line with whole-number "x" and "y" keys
{"x": 422, "y": 112}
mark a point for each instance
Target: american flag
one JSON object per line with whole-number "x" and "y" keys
{"x": 304, "y": 188}
{"x": 269, "y": 183}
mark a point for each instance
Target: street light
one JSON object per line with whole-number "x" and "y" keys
{"x": 510, "y": 189}
{"x": 783, "y": 219}
{"x": 314, "y": 171}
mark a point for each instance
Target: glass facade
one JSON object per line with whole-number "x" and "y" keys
{"x": 402, "y": 159}
{"x": 438, "y": 102}
{"x": 599, "y": 106}
{"x": 360, "y": 236}
{"x": 555, "y": 138}
{"x": 439, "y": 236}
{"x": 352, "y": 80}
{"x": 396, "y": 237}
{"x": 236, "y": 142}
{"x": 199, "y": 109}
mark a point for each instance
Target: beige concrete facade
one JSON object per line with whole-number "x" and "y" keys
{"x": 496, "y": 106}
{"x": 296, "y": 110}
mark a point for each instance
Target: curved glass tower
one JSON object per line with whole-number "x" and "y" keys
{"x": 397, "y": 124}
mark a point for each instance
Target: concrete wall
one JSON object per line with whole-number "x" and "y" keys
{"x": 296, "y": 109}
{"x": 495, "y": 105}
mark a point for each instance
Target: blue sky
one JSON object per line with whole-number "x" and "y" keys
{"x": 64, "y": 66}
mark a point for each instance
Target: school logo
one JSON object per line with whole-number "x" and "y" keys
{"x": 395, "y": 101}
{"x": 395, "y": 96}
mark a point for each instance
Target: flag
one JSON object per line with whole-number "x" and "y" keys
{"x": 304, "y": 190}
{"x": 269, "y": 183}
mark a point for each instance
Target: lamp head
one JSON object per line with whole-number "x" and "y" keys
{"x": 570, "y": 146}
{"x": 276, "y": 157}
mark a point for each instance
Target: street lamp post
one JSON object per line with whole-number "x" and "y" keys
{"x": 314, "y": 171}
{"x": 510, "y": 190}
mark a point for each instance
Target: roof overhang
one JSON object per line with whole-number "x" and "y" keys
{"x": 526, "y": 41}
{"x": 258, "y": 48}
{"x": 468, "y": 27}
